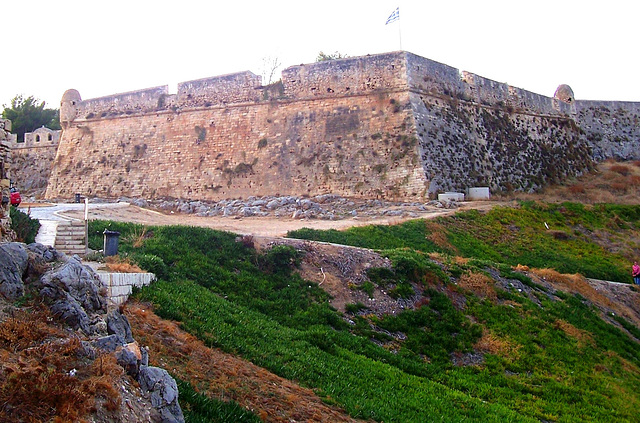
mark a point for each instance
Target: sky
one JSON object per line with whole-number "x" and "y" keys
{"x": 106, "y": 47}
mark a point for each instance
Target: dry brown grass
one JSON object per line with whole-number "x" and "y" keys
{"x": 137, "y": 237}
{"x": 582, "y": 336}
{"x": 492, "y": 344}
{"x": 44, "y": 378}
{"x": 121, "y": 265}
{"x": 480, "y": 284}
{"x": 578, "y": 284}
{"x": 224, "y": 376}
{"x": 611, "y": 182}
{"x": 575, "y": 284}
{"x": 438, "y": 236}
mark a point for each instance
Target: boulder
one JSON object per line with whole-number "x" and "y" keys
{"x": 117, "y": 324}
{"x": 47, "y": 253}
{"x": 129, "y": 357}
{"x": 108, "y": 343}
{"x": 74, "y": 294}
{"x": 14, "y": 261}
{"x": 164, "y": 393}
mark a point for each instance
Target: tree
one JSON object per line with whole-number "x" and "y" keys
{"x": 322, "y": 56}
{"x": 269, "y": 67}
{"x": 28, "y": 114}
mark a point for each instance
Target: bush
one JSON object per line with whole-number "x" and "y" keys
{"x": 280, "y": 259}
{"x": 151, "y": 263}
{"x": 355, "y": 307}
{"x": 24, "y": 226}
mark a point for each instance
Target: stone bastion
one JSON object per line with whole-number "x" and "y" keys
{"x": 393, "y": 125}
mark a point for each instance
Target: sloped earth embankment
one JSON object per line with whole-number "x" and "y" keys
{"x": 227, "y": 377}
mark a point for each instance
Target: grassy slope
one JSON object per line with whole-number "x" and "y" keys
{"x": 559, "y": 362}
{"x": 516, "y": 236}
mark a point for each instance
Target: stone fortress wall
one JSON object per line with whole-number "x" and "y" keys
{"x": 392, "y": 125}
{"x": 32, "y": 159}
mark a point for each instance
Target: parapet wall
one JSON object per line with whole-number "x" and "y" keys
{"x": 40, "y": 138}
{"x": 393, "y": 125}
{"x": 142, "y": 101}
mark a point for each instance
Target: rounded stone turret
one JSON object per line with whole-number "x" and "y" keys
{"x": 69, "y": 107}
{"x": 564, "y": 93}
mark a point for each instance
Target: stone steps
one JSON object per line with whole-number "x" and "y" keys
{"x": 70, "y": 237}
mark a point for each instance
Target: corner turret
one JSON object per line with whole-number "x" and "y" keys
{"x": 69, "y": 107}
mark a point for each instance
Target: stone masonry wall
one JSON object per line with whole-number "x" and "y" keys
{"x": 612, "y": 128}
{"x": 394, "y": 125}
{"x": 352, "y": 146}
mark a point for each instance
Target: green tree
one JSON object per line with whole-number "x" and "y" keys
{"x": 28, "y": 114}
{"x": 322, "y": 56}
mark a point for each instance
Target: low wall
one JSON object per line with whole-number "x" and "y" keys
{"x": 120, "y": 285}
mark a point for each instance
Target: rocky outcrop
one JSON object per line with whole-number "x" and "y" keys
{"x": 164, "y": 393}
{"x": 13, "y": 266}
{"x": 75, "y": 296}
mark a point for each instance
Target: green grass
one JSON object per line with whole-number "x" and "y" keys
{"x": 198, "y": 408}
{"x": 515, "y": 236}
{"x": 399, "y": 368}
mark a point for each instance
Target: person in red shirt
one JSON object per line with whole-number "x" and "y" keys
{"x": 635, "y": 272}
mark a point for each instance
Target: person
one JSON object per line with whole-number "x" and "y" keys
{"x": 635, "y": 272}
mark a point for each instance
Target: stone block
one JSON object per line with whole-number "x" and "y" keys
{"x": 451, "y": 196}
{"x": 478, "y": 193}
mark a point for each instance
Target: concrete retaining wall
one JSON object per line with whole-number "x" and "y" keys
{"x": 120, "y": 285}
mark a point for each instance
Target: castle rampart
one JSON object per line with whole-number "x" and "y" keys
{"x": 389, "y": 125}
{"x": 40, "y": 138}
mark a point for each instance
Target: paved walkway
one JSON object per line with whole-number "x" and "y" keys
{"x": 49, "y": 217}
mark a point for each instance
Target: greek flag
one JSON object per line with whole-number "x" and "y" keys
{"x": 395, "y": 16}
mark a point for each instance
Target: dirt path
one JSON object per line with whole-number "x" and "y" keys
{"x": 259, "y": 226}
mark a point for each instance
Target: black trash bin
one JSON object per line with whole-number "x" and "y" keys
{"x": 110, "y": 242}
{"x": 78, "y": 198}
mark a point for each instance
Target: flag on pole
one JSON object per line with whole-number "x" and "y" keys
{"x": 395, "y": 16}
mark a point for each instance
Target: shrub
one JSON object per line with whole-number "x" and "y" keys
{"x": 355, "y": 307}
{"x": 24, "y": 226}
{"x": 151, "y": 263}
{"x": 381, "y": 276}
{"x": 280, "y": 259}
{"x": 402, "y": 290}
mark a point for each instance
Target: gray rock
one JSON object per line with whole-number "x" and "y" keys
{"x": 129, "y": 357}
{"x": 117, "y": 324}
{"x": 108, "y": 343}
{"x": 14, "y": 261}
{"x": 87, "y": 350}
{"x": 273, "y": 204}
{"x": 164, "y": 393}
{"x": 48, "y": 253}
{"x": 144, "y": 353}
{"x": 140, "y": 202}
{"x": 73, "y": 292}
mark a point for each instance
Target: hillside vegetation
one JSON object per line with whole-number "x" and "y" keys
{"x": 499, "y": 322}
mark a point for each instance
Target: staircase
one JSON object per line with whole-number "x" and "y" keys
{"x": 70, "y": 237}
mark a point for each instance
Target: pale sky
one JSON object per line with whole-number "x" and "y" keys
{"x": 108, "y": 47}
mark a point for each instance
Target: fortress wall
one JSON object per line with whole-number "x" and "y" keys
{"x": 465, "y": 145}
{"x": 612, "y": 128}
{"x": 31, "y": 169}
{"x": 131, "y": 102}
{"x": 350, "y": 76}
{"x": 352, "y": 146}
{"x": 432, "y": 77}
{"x": 394, "y": 125}
{"x": 226, "y": 89}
